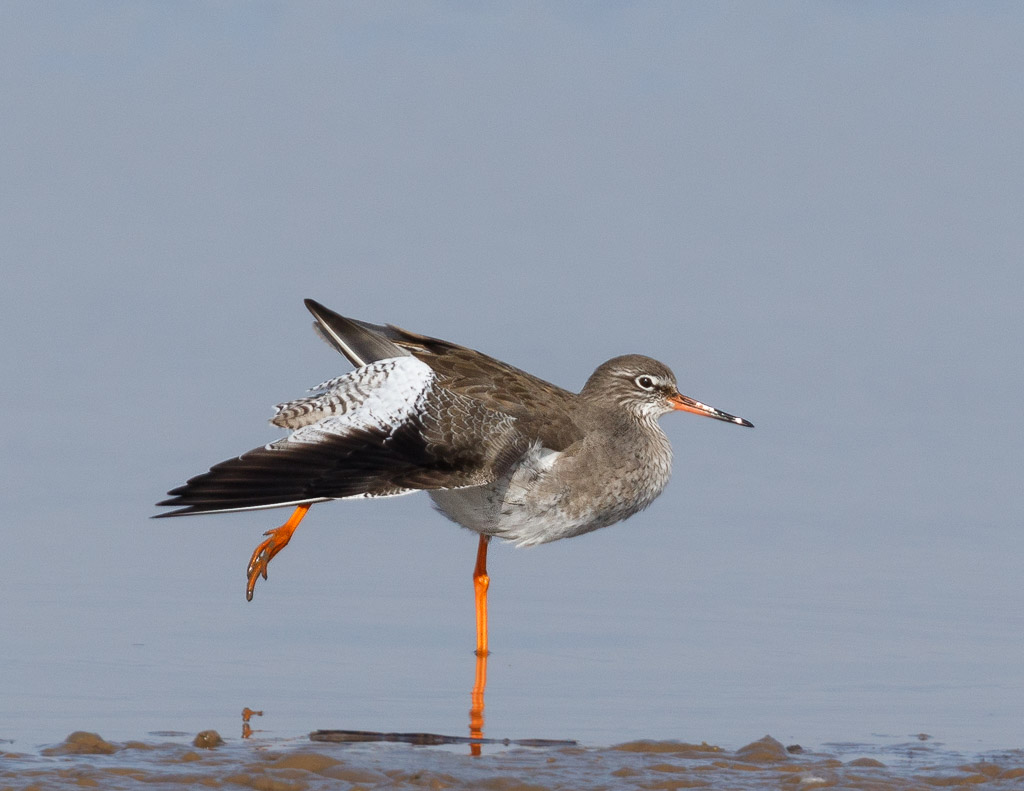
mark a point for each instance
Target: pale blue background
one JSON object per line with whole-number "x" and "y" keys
{"x": 814, "y": 212}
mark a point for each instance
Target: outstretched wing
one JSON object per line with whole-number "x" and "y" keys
{"x": 544, "y": 411}
{"x": 385, "y": 429}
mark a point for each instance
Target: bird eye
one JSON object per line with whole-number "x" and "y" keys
{"x": 644, "y": 382}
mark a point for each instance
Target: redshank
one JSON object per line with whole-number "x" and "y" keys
{"x": 500, "y": 451}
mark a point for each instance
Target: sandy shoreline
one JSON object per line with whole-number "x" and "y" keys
{"x": 86, "y": 760}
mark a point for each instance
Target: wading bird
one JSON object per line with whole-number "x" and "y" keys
{"x": 500, "y": 451}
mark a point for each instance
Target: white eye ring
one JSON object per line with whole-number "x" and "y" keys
{"x": 646, "y": 382}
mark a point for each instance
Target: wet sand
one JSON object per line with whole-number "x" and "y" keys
{"x": 205, "y": 760}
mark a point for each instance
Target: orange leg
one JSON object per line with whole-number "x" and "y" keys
{"x": 262, "y": 555}
{"x": 480, "y": 584}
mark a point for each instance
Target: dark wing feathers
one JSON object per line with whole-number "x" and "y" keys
{"x": 425, "y": 452}
{"x": 361, "y": 342}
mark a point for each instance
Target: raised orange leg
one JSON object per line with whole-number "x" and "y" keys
{"x": 264, "y": 553}
{"x": 480, "y": 584}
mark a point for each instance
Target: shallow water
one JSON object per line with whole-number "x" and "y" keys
{"x": 86, "y": 760}
{"x": 138, "y": 631}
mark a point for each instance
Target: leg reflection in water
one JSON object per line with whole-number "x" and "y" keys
{"x": 476, "y": 713}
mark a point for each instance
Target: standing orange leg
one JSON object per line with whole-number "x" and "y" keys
{"x": 262, "y": 555}
{"x": 480, "y": 584}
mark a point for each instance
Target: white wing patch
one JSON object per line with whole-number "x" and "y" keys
{"x": 383, "y": 395}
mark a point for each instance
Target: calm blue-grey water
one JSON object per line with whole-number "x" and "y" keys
{"x": 812, "y": 213}
{"x": 634, "y": 633}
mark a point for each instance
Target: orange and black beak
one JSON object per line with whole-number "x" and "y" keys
{"x": 687, "y": 404}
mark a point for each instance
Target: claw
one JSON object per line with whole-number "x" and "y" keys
{"x": 265, "y": 552}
